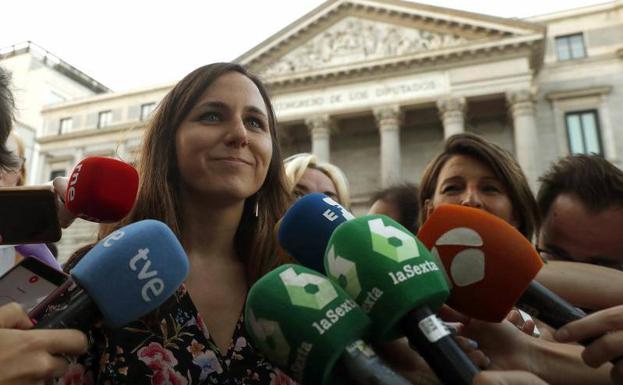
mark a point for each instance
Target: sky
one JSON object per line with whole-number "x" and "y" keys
{"x": 136, "y": 43}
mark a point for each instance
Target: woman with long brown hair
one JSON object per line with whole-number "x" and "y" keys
{"x": 211, "y": 169}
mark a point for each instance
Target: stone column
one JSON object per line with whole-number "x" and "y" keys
{"x": 320, "y": 132}
{"x": 452, "y": 113}
{"x": 608, "y": 137}
{"x": 78, "y": 156}
{"x": 388, "y": 120}
{"x": 521, "y": 105}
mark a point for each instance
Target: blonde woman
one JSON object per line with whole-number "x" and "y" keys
{"x": 307, "y": 174}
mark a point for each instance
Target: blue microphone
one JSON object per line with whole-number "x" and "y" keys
{"x": 307, "y": 226}
{"x": 125, "y": 276}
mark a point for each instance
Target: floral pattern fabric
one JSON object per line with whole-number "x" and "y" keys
{"x": 171, "y": 346}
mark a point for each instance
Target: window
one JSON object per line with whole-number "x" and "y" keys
{"x": 146, "y": 110}
{"x": 65, "y": 125}
{"x": 55, "y": 173}
{"x": 583, "y": 132}
{"x": 104, "y": 118}
{"x": 570, "y": 47}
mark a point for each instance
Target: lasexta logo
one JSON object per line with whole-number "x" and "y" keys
{"x": 307, "y": 290}
{"x": 268, "y": 334}
{"x": 392, "y": 242}
{"x": 344, "y": 271}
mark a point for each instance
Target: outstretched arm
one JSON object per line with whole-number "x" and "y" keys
{"x": 582, "y": 284}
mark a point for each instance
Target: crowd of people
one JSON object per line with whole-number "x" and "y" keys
{"x": 212, "y": 170}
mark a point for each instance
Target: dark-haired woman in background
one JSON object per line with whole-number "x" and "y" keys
{"x": 474, "y": 172}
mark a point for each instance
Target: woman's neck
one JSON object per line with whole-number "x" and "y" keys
{"x": 210, "y": 227}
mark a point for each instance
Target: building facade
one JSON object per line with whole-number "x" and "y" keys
{"x": 374, "y": 86}
{"x": 40, "y": 78}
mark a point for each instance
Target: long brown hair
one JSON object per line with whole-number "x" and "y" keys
{"x": 159, "y": 193}
{"x": 8, "y": 160}
{"x": 505, "y": 168}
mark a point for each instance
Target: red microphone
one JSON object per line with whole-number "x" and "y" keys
{"x": 489, "y": 263}
{"x": 492, "y": 267}
{"x": 101, "y": 189}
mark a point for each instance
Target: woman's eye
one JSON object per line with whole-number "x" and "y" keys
{"x": 450, "y": 188}
{"x": 254, "y": 123}
{"x": 491, "y": 189}
{"x": 211, "y": 117}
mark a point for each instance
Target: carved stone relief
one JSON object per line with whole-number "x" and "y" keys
{"x": 355, "y": 40}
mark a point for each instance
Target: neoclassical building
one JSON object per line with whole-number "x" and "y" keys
{"x": 374, "y": 86}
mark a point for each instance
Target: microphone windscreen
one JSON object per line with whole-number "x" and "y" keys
{"x": 38, "y": 251}
{"x": 302, "y": 322}
{"x": 386, "y": 269}
{"x": 132, "y": 271}
{"x": 307, "y": 226}
{"x": 101, "y": 189}
{"x": 488, "y": 261}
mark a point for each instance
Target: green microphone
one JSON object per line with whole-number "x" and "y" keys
{"x": 397, "y": 281}
{"x": 312, "y": 329}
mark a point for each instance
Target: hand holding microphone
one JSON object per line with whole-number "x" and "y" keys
{"x": 606, "y": 328}
{"x": 507, "y": 378}
{"x": 29, "y": 357}
{"x": 98, "y": 189}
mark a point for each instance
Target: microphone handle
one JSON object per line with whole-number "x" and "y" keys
{"x": 430, "y": 337}
{"x": 80, "y": 314}
{"x": 544, "y": 304}
{"x": 363, "y": 367}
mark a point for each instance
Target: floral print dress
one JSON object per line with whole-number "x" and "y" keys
{"x": 170, "y": 347}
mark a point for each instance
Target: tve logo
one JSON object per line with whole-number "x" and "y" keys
{"x": 114, "y": 236}
{"x": 154, "y": 285}
{"x": 468, "y": 265}
{"x": 71, "y": 191}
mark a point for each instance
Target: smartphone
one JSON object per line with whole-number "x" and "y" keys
{"x": 28, "y": 215}
{"x": 29, "y": 282}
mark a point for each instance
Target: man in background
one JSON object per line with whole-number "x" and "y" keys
{"x": 581, "y": 203}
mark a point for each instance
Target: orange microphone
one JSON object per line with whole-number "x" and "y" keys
{"x": 491, "y": 266}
